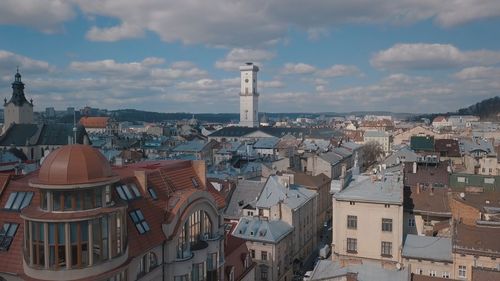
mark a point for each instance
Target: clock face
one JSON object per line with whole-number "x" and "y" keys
{"x": 246, "y": 80}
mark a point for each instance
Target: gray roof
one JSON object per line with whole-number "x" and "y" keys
{"x": 476, "y": 143}
{"x": 236, "y": 131}
{"x": 41, "y": 134}
{"x": 262, "y": 230}
{"x": 376, "y": 134}
{"x": 387, "y": 190}
{"x": 191, "y": 146}
{"x": 351, "y": 145}
{"x": 267, "y": 143}
{"x": 331, "y": 157}
{"x": 246, "y": 192}
{"x": 273, "y": 192}
{"x": 366, "y": 271}
{"x": 427, "y": 248}
{"x": 405, "y": 154}
{"x": 343, "y": 152}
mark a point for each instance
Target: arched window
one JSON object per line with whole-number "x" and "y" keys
{"x": 153, "y": 260}
{"x": 197, "y": 228}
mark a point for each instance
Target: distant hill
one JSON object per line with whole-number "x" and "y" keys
{"x": 486, "y": 109}
{"x": 147, "y": 116}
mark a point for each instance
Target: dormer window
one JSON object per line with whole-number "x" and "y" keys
{"x": 128, "y": 192}
{"x": 18, "y": 200}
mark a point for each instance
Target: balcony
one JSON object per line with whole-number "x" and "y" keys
{"x": 199, "y": 245}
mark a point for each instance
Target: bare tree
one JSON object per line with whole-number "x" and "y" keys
{"x": 372, "y": 152}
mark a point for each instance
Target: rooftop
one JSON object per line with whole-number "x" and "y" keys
{"x": 366, "y": 271}
{"x": 367, "y": 188}
{"x": 294, "y": 196}
{"x": 262, "y": 230}
{"x": 427, "y": 248}
{"x": 246, "y": 192}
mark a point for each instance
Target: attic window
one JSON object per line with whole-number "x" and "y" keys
{"x": 195, "y": 182}
{"x": 18, "y": 200}
{"x": 128, "y": 192}
{"x": 139, "y": 221}
{"x": 7, "y": 233}
{"x": 153, "y": 194}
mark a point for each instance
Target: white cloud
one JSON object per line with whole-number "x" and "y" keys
{"x": 237, "y": 23}
{"x": 10, "y": 61}
{"x": 478, "y": 73}
{"x": 339, "y": 70}
{"x": 298, "y": 68}
{"x": 431, "y": 56}
{"x": 44, "y": 15}
{"x": 115, "y": 33}
{"x": 238, "y": 56}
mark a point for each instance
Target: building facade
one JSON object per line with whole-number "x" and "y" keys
{"x": 78, "y": 218}
{"x": 368, "y": 219}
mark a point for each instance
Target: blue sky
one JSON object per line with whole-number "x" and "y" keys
{"x": 314, "y": 56}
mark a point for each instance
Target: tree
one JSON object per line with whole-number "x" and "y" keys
{"x": 372, "y": 152}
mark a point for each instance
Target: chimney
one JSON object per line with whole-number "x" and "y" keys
{"x": 343, "y": 171}
{"x": 414, "y": 167}
{"x": 200, "y": 169}
{"x": 142, "y": 179}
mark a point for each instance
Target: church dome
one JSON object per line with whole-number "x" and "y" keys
{"x": 75, "y": 164}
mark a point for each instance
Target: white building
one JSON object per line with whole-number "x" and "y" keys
{"x": 249, "y": 97}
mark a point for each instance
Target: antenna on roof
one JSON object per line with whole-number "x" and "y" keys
{"x": 74, "y": 126}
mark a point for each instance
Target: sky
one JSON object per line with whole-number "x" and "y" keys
{"x": 416, "y": 56}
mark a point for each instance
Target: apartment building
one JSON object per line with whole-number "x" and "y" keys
{"x": 368, "y": 218}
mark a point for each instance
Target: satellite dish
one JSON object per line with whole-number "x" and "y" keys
{"x": 462, "y": 195}
{"x": 398, "y": 266}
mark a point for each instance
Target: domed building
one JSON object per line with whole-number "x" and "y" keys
{"x": 78, "y": 218}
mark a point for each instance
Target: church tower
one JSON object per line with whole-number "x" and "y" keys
{"x": 249, "y": 97}
{"x": 18, "y": 109}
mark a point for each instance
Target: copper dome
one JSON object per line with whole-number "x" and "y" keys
{"x": 75, "y": 164}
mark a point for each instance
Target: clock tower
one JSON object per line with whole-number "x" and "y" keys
{"x": 249, "y": 97}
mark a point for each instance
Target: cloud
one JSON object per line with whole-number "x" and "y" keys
{"x": 431, "y": 56}
{"x": 478, "y": 73}
{"x": 10, "y": 61}
{"x": 339, "y": 70}
{"x": 115, "y": 33}
{"x": 44, "y": 15}
{"x": 298, "y": 68}
{"x": 237, "y": 23}
{"x": 238, "y": 56}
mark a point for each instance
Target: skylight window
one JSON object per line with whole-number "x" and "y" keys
{"x": 153, "y": 194}
{"x": 139, "y": 221}
{"x": 128, "y": 192}
{"x": 7, "y": 233}
{"x": 18, "y": 200}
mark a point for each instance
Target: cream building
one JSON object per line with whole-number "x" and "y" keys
{"x": 270, "y": 243}
{"x": 380, "y": 137}
{"x": 282, "y": 199}
{"x": 18, "y": 110}
{"x": 368, "y": 218}
{"x": 428, "y": 255}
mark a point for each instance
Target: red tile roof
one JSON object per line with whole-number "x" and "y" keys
{"x": 94, "y": 122}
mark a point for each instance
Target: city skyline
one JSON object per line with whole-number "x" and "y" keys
{"x": 409, "y": 56}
